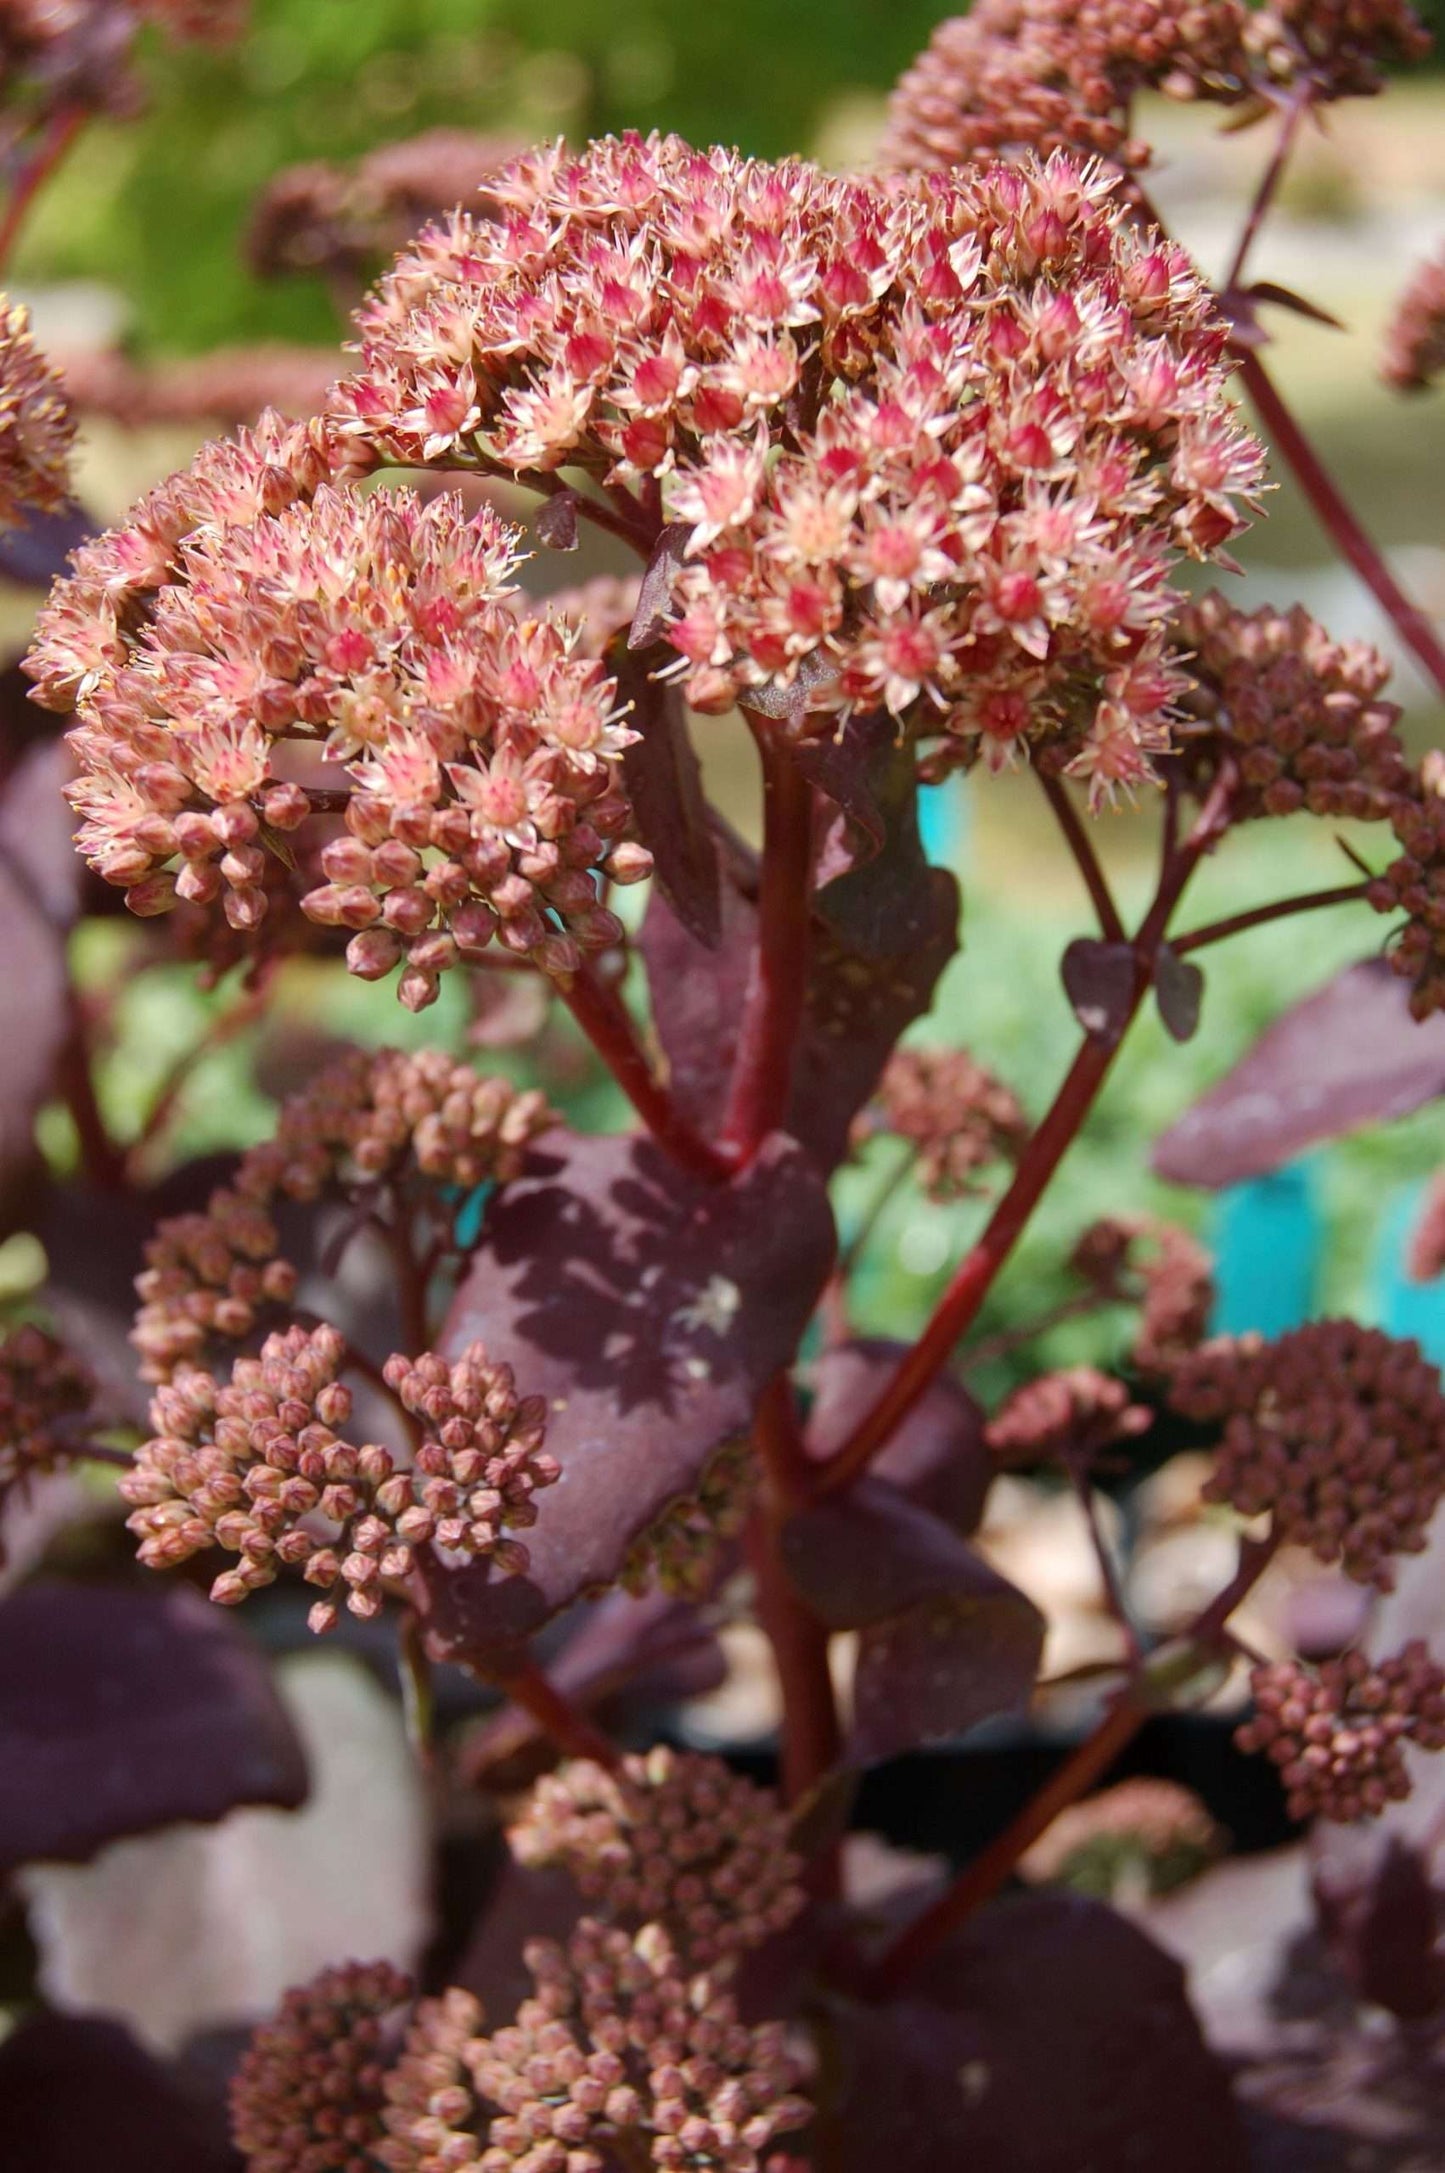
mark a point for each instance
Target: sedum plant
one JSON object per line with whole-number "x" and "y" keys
{"x": 911, "y": 470}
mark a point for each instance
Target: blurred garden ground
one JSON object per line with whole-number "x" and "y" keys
{"x": 139, "y": 240}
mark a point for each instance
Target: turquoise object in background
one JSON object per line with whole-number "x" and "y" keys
{"x": 1401, "y": 1305}
{"x": 943, "y": 821}
{"x": 1266, "y": 1237}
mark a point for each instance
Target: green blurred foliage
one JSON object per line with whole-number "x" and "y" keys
{"x": 158, "y": 208}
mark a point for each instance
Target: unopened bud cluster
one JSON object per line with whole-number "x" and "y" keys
{"x": 37, "y": 428}
{"x": 1414, "y": 355}
{"x": 257, "y": 1465}
{"x": 1067, "y": 1415}
{"x": 1162, "y": 1269}
{"x": 1147, "y": 1834}
{"x": 1334, "y": 1430}
{"x": 1338, "y": 1734}
{"x": 252, "y": 614}
{"x": 41, "y": 1385}
{"x": 372, "y": 1116}
{"x": 1300, "y": 714}
{"x": 307, "y": 2096}
{"x": 958, "y": 1115}
{"x": 1414, "y": 884}
{"x": 671, "y": 1835}
{"x": 679, "y": 1551}
{"x": 339, "y": 219}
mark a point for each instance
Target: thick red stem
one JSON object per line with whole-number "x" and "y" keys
{"x": 102, "y": 1162}
{"x": 573, "y": 1733}
{"x": 1075, "y": 836}
{"x": 60, "y": 132}
{"x": 1339, "y": 522}
{"x": 607, "y": 1023}
{"x": 811, "y": 1740}
{"x": 773, "y": 1008}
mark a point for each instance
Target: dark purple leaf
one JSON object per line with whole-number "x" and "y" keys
{"x": 654, "y": 603}
{"x": 945, "y": 1641}
{"x": 1348, "y": 1056}
{"x": 1382, "y": 1920}
{"x": 1099, "y": 983}
{"x": 524, "y": 1904}
{"x": 937, "y": 1455}
{"x": 125, "y": 1710}
{"x": 845, "y": 766}
{"x": 78, "y": 2095}
{"x": 37, "y": 831}
{"x": 1179, "y": 993}
{"x": 664, "y": 783}
{"x": 34, "y": 1021}
{"x": 790, "y": 703}
{"x": 33, "y": 554}
{"x": 650, "y": 1309}
{"x": 1050, "y": 2036}
{"x": 697, "y": 997}
{"x": 653, "y": 1646}
{"x": 555, "y": 521}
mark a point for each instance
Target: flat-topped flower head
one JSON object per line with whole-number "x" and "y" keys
{"x": 927, "y": 447}
{"x": 1143, "y": 1836}
{"x": 953, "y": 1109}
{"x": 1338, "y": 1734}
{"x": 307, "y": 2095}
{"x": 1069, "y": 1415}
{"x": 257, "y": 1464}
{"x": 372, "y": 1116}
{"x": 42, "y": 1386}
{"x": 619, "y": 2040}
{"x": 1336, "y": 1431}
{"x": 340, "y": 647}
{"x": 1299, "y": 715}
{"x": 675, "y": 1837}
{"x": 37, "y": 428}
{"x": 1414, "y": 353}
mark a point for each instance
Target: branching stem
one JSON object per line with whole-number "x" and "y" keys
{"x": 762, "y": 1075}
{"x": 607, "y": 1023}
{"x": 1077, "y": 840}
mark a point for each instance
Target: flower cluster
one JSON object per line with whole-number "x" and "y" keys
{"x": 370, "y": 638}
{"x": 373, "y": 1116}
{"x": 1162, "y": 1269}
{"x": 1414, "y": 355}
{"x": 346, "y": 220}
{"x": 673, "y": 1836}
{"x": 1060, "y": 75}
{"x": 1014, "y": 75}
{"x": 954, "y": 1110}
{"x": 230, "y": 386}
{"x": 431, "y": 2120}
{"x": 1299, "y": 714}
{"x": 307, "y": 2095}
{"x": 57, "y": 54}
{"x": 679, "y": 1552}
{"x": 1335, "y": 1430}
{"x": 41, "y": 1385}
{"x": 930, "y": 448}
{"x": 1338, "y": 1734}
{"x": 1146, "y": 1834}
{"x": 1414, "y": 884}
{"x": 620, "y": 2040}
{"x": 37, "y": 428}
{"x": 255, "y": 1465}
{"x": 1067, "y": 1415}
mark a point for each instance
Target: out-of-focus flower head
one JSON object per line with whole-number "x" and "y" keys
{"x": 371, "y": 1116}
{"x": 926, "y": 447}
{"x": 1414, "y": 354}
{"x": 954, "y": 1110}
{"x": 672, "y": 1836}
{"x": 1336, "y": 1431}
{"x": 42, "y": 1386}
{"x": 619, "y": 2040}
{"x": 255, "y": 1464}
{"x": 1015, "y": 75}
{"x": 37, "y": 428}
{"x": 256, "y": 641}
{"x": 1162, "y": 1269}
{"x": 1144, "y": 1836}
{"x": 1414, "y": 884}
{"x": 57, "y": 54}
{"x": 1071, "y": 1414}
{"x": 1338, "y": 1734}
{"x": 307, "y": 2094}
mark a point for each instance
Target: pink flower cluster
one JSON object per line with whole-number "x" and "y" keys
{"x": 307, "y": 2094}
{"x": 42, "y": 1384}
{"x": 369, "y": 640}
{"x": 37, "y": 428}
{"x": 255, "y": 1465}
{"x": 1144, "y": 1833}
{"x": 1162, "y": 1269}
{"x": 671, "y": 1836}
{"x": 954, "y": 1110}
{"x": 1414, "y": 884}
{"x": 930, "y": 448}
{"x": 372, "y": 1116}
{"x": 1414, "y": 355}
{"x": 1337, "y": 1432}
{"x": 1047, "y": 75}
{"x": 1070, "y": 1414}
{"x": 1338, "y": 1735}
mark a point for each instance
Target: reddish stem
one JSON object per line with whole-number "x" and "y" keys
{"x": 101, "y": 1160}
{"x": 607, "y": 1023}
{"x": 60, "y": 132}
{"x": 812, "y": 1743}
{"x": 1075, "y": 836}
{"x": 777, "y": 985}
{"x": 1311, "y": 901}
{"x": 1269, "y": 181}
{"x": 1339, "y": 522}
{"x": 573, "y": 1733}
{"x": 778, "y": 1439}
